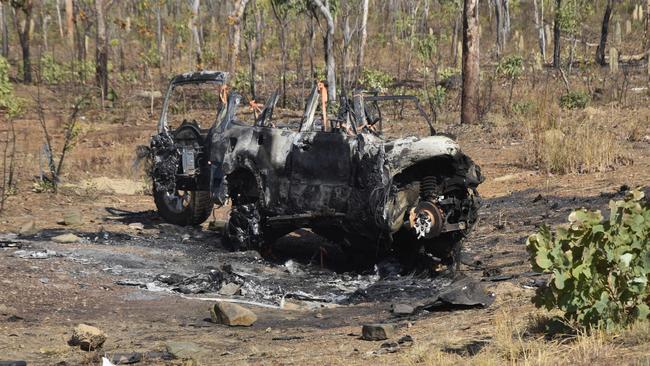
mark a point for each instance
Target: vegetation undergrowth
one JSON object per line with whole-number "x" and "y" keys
{"x": 599, "y": 266}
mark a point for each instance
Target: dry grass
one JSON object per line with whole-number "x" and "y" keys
{"x": 514, "y": 340}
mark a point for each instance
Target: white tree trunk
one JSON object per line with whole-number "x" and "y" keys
{"x": 363, "y": 37}
{"x": 539, "y": 26}
{"x": 329, "y": 49}
{"x": 235, "y": 18}
{"x": 196, "y": 40}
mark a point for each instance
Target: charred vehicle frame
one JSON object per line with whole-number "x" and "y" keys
{"x": 337, "y": 176}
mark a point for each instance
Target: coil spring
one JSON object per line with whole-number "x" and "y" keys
{"x": 428, "y": 186}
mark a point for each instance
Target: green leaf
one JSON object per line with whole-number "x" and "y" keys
{"x": 642, "y": 311}
{"x": 626, "y": 259}
{"x": 560, "y": 279}
{"x": 542, "y": 261}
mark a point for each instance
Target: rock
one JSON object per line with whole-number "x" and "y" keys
{"x": 377, "y": 332}
{"x": 232, "y": 314}
{"x": 7, "y": 310}
{"x": 229, "y": 289}
{"x": 182, "y": 349}
{"x": 403, "y": 309}
{"x": 66, "y": 238}
{"x": 136, "y": 225}
{"x": 126, "y": 358}
{"x": 87, "y": 337}
{"x": 72, "y": 218}
{"x": 28, "y": 228}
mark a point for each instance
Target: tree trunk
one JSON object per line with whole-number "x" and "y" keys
{"x": 454, "y": 40}
{"x": 604, "y": 30}
{"x": 281, "y": 13}
{"x": 235, "y": 19}
{"x": 330, "y": 64}
{"x": 500, "y": 30}
{"x": 471, "y": 68}
{"x": 196, "y": 40}
{"x": 252, "y": 46}
{"x": 69, "y": 21}
{"x": 101, "y": 52}
{"x": 556, "y": 34}
{"x": 363, "y": 37}
{"x": 24, "y": 34}
{"x": 5, "y": 31}
{"x": 58, "y": 18}
{"x": 539, "y": 26}
{"x": 347, "y": 38}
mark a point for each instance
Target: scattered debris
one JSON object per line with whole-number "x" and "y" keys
{"x": 232, "y": 314}
{"x": 137, "y": 226}
{"x": 87, "y": 337}
{"x": 35, "y": 254}
{"x": 216, "y": 225}
{"x": 406, "y": 341}
{"x": 287, "y": 338}
{"x": 66, "y": 238}
{"x": 126, "y": 358}
{"x": 377, "y": 332}
{"x": 182, "y": 350}
{"x": 72, "y": 218}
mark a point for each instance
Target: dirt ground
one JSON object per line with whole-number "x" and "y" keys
{"x": 44, "y": 299}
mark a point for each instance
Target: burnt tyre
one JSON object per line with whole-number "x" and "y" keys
{"x": 183, "y": 208}
{"x": 243, "y": 231}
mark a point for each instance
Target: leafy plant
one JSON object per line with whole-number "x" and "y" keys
{"x": 375, "y": 79}
{"x": 599, "y": 267}
{"x": 575, "y": 100}
{"x": 8, "y": 101}
{"x": 52, "y": 72}
{"x": 511, "y": 67}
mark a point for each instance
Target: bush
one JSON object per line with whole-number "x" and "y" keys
{"x": 9, "y": 103}
{"x": 51, "y": 71}
{"x": 575, "y": 100}
{"x": 599, "y": 267}
{"x": 375, "y": 80}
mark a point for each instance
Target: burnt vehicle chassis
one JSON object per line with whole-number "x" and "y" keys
{"x": 338, "y": 177}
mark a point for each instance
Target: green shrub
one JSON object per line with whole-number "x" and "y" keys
{"x": 524, "y": 107}
{"x": 52, "y": 72}
{"x": 599, "y": 267}
{"x": 511, "y": 67}
{"x": 376, "y": 80}
{"x": 575, "y": 100}
{"x": 12, "y": 105}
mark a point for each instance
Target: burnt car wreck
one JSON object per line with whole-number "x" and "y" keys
{"x": 337, "y": 176}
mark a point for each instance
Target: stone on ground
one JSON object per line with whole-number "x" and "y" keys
{"x": 182, "y": 350}
{"x": 403, "y": 309}
{"x": 87, "y": 337}
{"x": 66, "y": 238}
{"x": 28, "y": 228}
{"x": 232, "y": 314}
{"x": 72, "y": 218}
{"x": 377, "y": 332}
{"x": 229, "y": 289}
